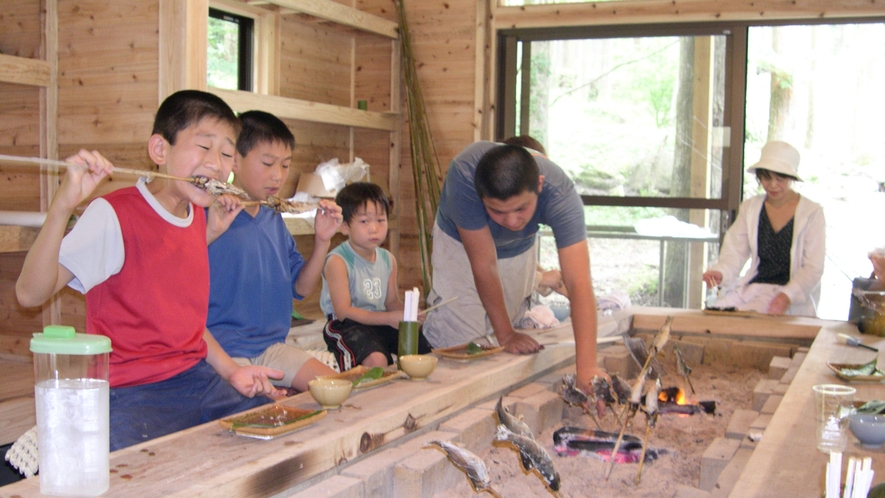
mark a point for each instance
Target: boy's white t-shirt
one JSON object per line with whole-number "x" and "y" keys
{"x": 93, "y": 250}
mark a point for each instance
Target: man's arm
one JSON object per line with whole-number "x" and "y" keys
{"x": 575, "y": 263}
{"x": 480, "y": 249}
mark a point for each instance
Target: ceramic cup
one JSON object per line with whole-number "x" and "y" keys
{"x": 832, "y": 405}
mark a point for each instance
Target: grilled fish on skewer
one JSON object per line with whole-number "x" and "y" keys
{"x": 639, "y": 352}
{"x": 575, "y": 397}
{"x": 632, "y": 406}
{"x": 682, "y": 368}
{"x": 621, "y": 389}
{"x": 661, "y": 337}
{"x": 532, "y": 456}
{"x": 511, "y": 422}
{"x": 215, "y": 187}
{"x": 651, "y": 418}
{"x": 284, "y": 205}
{"x": 475, "y": 468}
{"x": 603, "y": 394}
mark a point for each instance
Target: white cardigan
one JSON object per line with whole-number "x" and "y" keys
{"x": 807, "y": 253}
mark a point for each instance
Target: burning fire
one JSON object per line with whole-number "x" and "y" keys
{"x": 672, "y": 395}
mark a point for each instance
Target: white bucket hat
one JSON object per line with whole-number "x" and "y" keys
{"x": 779, "y": 157}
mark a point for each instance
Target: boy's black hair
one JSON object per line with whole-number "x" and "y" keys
{"x": 526, "y": 141}
{"x": 359, "y": 194}
{"x": 262, "y": 127}
{"x": 506, "y": 171}
{"x": 187, "y": 107}
{"x": 765, "y": 174}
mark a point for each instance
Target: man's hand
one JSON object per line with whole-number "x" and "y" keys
{"x": 712, "y": 278}
{"x": 518, "y": 343}
{"x": 252, "y": 380}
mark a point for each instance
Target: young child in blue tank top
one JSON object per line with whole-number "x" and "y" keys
{"x": 360, "y": 295}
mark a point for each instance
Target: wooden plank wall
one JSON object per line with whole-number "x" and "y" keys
{"x": 108, "y": 93}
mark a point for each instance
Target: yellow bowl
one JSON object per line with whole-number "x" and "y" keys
{"x": 330, "y": 393}
{"x": 418, "y": 366}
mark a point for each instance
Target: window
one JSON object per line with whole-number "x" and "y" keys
{"x": 614, "y": 105}
{"x": 229, "y": 57}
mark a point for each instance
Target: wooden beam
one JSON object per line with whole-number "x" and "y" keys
{"x": 283, "y": 107}
{"x": 24, "y": 71}
{"x": 668, "y": 11}
{"x": 340, "y": 14}
{"x": 16, "y": 238}
{"x": 184, "y": 26}
{"x": 49, "y": 179}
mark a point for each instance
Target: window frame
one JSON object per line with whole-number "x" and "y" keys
{"x": 245, "y": 51}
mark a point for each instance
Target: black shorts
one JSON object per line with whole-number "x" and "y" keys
{"x": 352, "y": 342}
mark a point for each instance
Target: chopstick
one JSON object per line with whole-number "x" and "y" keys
{"x": 435, "y": 306}
{"x": 64, "y": 164}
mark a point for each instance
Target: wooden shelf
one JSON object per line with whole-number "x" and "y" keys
{"x": 315, "y": 112}
{"x": 24, "y": 71}
{"x": 339, "y": 14}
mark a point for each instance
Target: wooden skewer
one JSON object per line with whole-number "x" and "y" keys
{"x": 64, "y": 164}
{"x": 435, "y": 306}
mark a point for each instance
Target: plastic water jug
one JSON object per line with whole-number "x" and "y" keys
{"x": 72, "y": 397}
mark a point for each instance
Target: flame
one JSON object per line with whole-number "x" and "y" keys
{"x": 681, "y": 399}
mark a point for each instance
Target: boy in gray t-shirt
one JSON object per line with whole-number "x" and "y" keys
{"x": 360, "y": 295}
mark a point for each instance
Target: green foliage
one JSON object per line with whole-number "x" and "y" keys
{"x": 223, "y": 54}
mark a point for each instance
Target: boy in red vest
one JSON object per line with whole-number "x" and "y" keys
{"x": 139, "y": 254}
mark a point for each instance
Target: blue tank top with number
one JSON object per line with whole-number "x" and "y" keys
{"x": 367, "y": 280}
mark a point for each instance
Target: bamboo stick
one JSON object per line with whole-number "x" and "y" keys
{"x": 52, "y": 162}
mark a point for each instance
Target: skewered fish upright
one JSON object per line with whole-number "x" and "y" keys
{"x": 682, "y": 368}
{"x": 472, "y": 465}
{"x": 651, "y": 419}
{"x": 532, "y": 455}
{"x": 511, "y": 422}
{"x": 639, "y": 351}
{"x": 575, "y": 397}
{"x": 603, "y": 393}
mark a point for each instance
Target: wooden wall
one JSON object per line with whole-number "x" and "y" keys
{"x": 108, "y": 91}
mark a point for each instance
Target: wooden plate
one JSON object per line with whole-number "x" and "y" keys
{"x": 271, "y": 421}
{"x": 390, "y": 374}
{"x": 718, "y": 312}
{"x": 460, "y": 352}
{"x": 837, "y": 369}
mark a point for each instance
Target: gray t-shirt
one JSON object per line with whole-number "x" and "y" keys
{"x": 559, "y": 205}
{"x": 367, "y": 280}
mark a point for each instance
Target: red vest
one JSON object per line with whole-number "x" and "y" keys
{"x": 154, "y": 310}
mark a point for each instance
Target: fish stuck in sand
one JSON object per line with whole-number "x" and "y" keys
{"x": 639, "y": 351}
{"x": 632, "y": 407}
{"x": 602, "y": 391}
{"x": 651, "y": 414}
{"x": 575, "y": 397}
{"x": 532, "y": 456}
{"x": 661, "y": 337}
{"x": 682, "y": 368}
{"x": 511, "y": 422}
{"x": 472, "y": 465}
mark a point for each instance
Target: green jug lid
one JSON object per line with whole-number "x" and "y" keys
{"x": 62, "y": 339}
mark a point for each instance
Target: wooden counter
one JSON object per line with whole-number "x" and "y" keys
{"x": 208, "y": 461}
{"x": 786, "y": 462}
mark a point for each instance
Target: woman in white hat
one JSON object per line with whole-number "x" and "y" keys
{"x": 783, "y": 234}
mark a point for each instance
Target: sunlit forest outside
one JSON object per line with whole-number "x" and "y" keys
{"x": 607, "y": 111}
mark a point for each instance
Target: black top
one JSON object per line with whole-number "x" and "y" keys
{"x": 774, "y": 252}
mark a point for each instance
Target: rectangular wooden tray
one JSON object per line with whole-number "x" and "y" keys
{"x": 837, "y": 369}
{"x": 271, "y": 421}
{"x": 460, "y": 352}
{"x": 390, "y": 374}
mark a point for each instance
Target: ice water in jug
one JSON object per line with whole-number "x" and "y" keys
{"x": 72, "y": 398}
